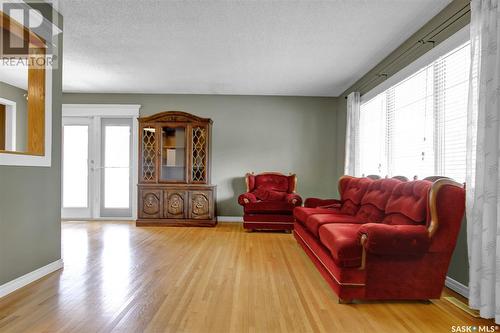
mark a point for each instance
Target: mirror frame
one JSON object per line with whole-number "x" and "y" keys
{"x": 14, "y": 158}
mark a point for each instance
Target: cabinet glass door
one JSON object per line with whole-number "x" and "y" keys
{"x": 199, "y": 152}
{"x": 173, "y": 154}
{"x": 148, "y": 163}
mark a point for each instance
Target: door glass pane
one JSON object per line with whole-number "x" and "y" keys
{"x": 75, "y": 166}
{"x": 116, "y": 166}
{"x": 173, "y": 154}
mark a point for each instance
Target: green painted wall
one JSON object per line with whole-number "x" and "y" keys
{"x": 16, "y": 95}
{"x": 454, "y": 17}
{"x": 253, "y": 133}
{"x": 30, "y": 204}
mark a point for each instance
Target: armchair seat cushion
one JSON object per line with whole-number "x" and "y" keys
{"x": 314, "y": 222}
{"x": 269, "y": 207}
{"x": 302, "y": 213}
{"x": 342, "y": 242}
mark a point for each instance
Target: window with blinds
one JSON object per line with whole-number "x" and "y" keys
{"x": 418, "y": 126}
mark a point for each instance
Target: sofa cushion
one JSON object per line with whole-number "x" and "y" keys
{"x": 314, "y": 222}
{"x": 408, "y": 203}
{"x": 370, "y": 214}
{"x": 353, "y": 194}
{"x": 375, "y": 200}
{"x": 342, "y": 242}
{"x": 302, "y": 213}
{"x": 379, "y": 192}
{"x": 269, "y": 207}
{"x": 355, "y": 190}
{"x": 349, "y": 208}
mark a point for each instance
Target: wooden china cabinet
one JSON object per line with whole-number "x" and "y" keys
{"x": 174, "y": 171}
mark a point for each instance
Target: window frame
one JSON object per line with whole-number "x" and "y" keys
{"x": 429, "y": 59}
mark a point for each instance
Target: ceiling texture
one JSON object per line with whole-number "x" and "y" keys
{"x": 298, "y": 48}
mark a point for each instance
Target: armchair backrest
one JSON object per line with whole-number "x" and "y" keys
{"x": 271, "y": 181}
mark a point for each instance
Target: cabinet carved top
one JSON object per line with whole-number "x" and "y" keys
{"x": 174, "y": 116}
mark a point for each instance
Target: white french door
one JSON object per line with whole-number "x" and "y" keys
{"x": 115, "y": 170}
{"x": 76, "y": 165}
{"x": 99, "y": 167}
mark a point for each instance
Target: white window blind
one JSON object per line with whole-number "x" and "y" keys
{"x": 418, "y": 126}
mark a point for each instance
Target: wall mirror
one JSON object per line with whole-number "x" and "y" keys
{"x": 25, "y": 96}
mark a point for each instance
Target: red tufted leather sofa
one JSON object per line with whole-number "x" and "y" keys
{"x": 385, "y": 238}
{"x": 269, "y": 201}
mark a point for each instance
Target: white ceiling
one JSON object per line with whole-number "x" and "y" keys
{"x": 304, "y": 48}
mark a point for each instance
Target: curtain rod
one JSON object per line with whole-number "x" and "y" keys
{"x": 426, "y": 39}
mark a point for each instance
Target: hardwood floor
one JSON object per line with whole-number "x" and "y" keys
{"x": 119, "y": 278}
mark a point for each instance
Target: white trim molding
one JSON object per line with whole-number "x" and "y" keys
{"x": 10, "y": 123}
{"x": 457, "y": 287}
{"x": 101, "y": 110}
{"x": 235, "y": 219}
{"x": 33, "y": 160}
{"x": 26, "y": 279}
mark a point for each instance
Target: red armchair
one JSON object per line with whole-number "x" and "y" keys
{"x": 269, "y": 201}
{"x": 395, "y": 242}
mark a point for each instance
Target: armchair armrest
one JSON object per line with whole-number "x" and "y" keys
{"x": 384, "y": 239}
{"x": 316, "y": 202}
{"x": 294, "y": 199}
{"x": 247, "y": 197}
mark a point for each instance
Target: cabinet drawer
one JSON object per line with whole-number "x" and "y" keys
{"x": 150, "y": 203}
{"x": 201, "y": 206}
{"x": 174, "y": 204}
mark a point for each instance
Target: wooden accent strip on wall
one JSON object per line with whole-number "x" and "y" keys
{"x": 451, "y": 19}
{"x": 36, "y": 103}
{"x": 8, "y": 25}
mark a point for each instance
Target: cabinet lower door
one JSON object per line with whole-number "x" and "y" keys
{"x": 174, "y": 204}
{"x": 149, "y": 204}
{"x": 200, "y": 205}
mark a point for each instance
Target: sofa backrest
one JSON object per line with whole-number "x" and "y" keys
{"x": 408, "y": 203}
{"x": 375, "y": 200}
{"x": 352, "y": 191}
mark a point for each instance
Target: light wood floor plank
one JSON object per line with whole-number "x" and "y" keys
{"x": 119, "y": 278}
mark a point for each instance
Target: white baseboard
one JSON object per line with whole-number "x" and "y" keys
{"x": 236, "y": 219}
{"x": 26, "y": 279}
{"x": 457, "y": 287}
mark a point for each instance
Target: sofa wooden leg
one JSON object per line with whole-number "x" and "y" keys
{"x": 345, "y": 301}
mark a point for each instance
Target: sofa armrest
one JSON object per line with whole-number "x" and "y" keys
{"x": 384, "y": 239}
{"x": 316, "y": 202}
{"x": 294, "y": 199}
{"x": 247, "y": 197}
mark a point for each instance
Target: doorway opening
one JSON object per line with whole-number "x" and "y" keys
{"x": 99, "y": 162}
